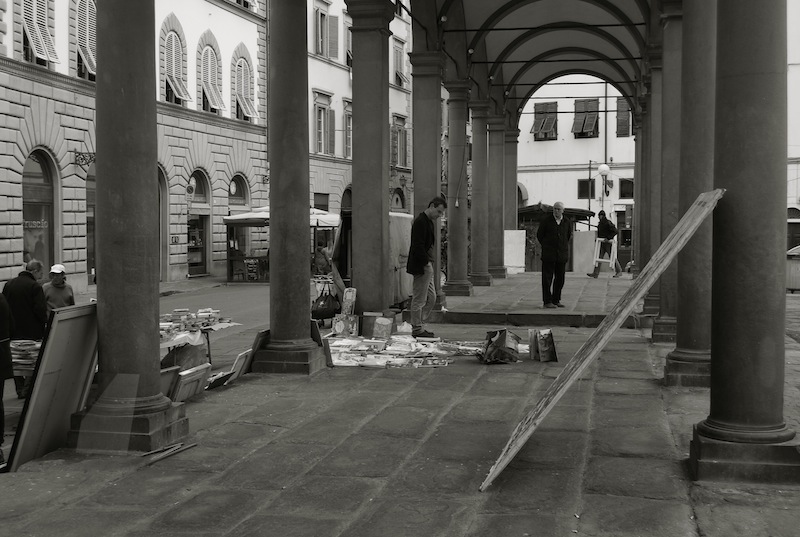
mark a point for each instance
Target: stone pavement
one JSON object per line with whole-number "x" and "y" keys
{"x": 358, "y": 452}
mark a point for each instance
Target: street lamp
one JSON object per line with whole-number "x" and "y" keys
{"x": 603, "y": 170}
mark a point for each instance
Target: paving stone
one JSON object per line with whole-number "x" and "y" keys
{"x": 485, "y": 409}
{"x": 77, "y": 522}
{"x": 329, "y": 428}
{"x": 204, "y": 459}
{"x": 633, "y": 411}
{"x": 565, "y": 418}
{"x": 639, "y": 477}
{"x": 150, "y": 487}
{"x": 326, "y": 497}
{"x": 210, "y": 510}
{"x": 202, "y": 417}
{"x": 457, "y": 382}
{"x": 404, "y": 421}
{"x": 427, "y": 398}
{"x": 509, "y": 384}
{"x": 628, "y": 386}
{"x": 521, "y": 525}
{"x": 361, "y": 404}
{"x": 543, "y": 490}
{"x": 239, "y": 434}
{"x": 274, "y": 466}
{"x": 460, "y": 440}
{"x": 614, "y": 516}
{"x": 552, "y": 449}
{"x": 421, "y": 475}
{"x": 728, "y": 520}
{"x": 366, "y": 455}
{"x": 287, "y": 526}
{"x": 428, "y": 516}
{"x": 285, "y": 411}
{"x": 651, "y": 441}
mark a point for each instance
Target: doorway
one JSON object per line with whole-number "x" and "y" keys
{"x": 197, "y": 244}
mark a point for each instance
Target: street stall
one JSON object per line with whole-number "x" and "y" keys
{"x": 254, "y": 267}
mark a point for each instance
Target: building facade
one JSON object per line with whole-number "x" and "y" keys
{"x": 211, "y": 66}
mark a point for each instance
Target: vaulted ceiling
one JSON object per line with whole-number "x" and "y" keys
{"x": 509, "y": 48}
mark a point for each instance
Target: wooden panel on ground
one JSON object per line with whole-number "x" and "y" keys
{"x": 59, "y": 385}
{"x": 676, "y": 240}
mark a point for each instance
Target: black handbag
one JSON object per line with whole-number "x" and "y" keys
{"x": 325, "y": 306}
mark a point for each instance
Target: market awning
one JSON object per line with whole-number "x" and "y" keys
{"x": 260, "y": 217}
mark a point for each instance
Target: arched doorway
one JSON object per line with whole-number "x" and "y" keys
{"x": 38, "y": 224}
{"x": 163, "y": 225}
{"x": 198, "y": 197}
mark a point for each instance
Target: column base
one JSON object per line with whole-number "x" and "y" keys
{"x": 91, "y": 430}
{"x": 299, "y": 358}
{"x": 457, "y": 288}
{"x": 481, "y": 279}
{"x": 665, "y": 329}
{"x": 688, "y": 368}
{"x": 499, "y": 272}
{"x": 652, "y": 304}
{"x": 717, "y": 460}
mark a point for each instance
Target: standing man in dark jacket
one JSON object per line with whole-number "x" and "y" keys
{"x": 420, "y": 265}
{"x": 554, "y": 235}
{"x": 28, "y": 307}
{"x": 6, "y": 367}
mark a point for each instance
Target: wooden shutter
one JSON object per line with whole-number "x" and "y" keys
{"x": 44, "y": 30}
{"x": 538, "y": 117}
{"x": 394, "y": 142}
{"x": 333, "y": 37}
{"x": 32, "y": 29}
{"x": 592, "y": 112}
{"x": 580, "y": 116}
{"x": 331, "y": 132}
{"x": 623, "y": 118}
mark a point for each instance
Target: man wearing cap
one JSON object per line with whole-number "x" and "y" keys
{"x": 57, "y": 292}
{"x": 606, "y": 230}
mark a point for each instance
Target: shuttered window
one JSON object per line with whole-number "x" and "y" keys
{"x": 585, "y": 124}
{"x": 545, "y": 121}
{"x": 87, "y": 34}
{"x": 173, "y": 54}
{"x": 37, "y": 31}
{"x": 623, "y": 118}
{"x": 399, "y": 140}
{"x": 209, "y": 78}
{"x": 244, "y": 89}
{"x": 400, "y": 78}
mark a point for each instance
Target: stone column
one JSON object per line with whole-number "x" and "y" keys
{"x": 426, "y": 72}
{"x": 510, "y": 180}
{"x": 652, "y": 300}
{"x": 642, "y": 188}
{"x": 744, "y": 434}
{"x": 373, "y": 271}
{"x": 638, "y": 202}
{"x": 458, "y": 283}
{"x": 479, "y": 267}
{"x": 496, "y": 125}
{"x": 690, "y": 363}
{"x": 290, "y": 349}
{"x": 131, "y": 413}
{"x": 665, "y": 325}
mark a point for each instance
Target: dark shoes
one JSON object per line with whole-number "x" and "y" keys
{"x": 617, "y": 275}
{"x": 560, "y": 305}
{"x": 550, "y": 305}
{"x": 424, "y": 333}
{"x": 591, "y": 274}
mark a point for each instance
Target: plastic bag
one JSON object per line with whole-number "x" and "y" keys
{"x": 325, "y": 306}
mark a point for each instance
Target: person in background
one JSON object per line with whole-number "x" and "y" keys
{"x": 420, "y": 265}
{"x": 6, "y": 367}
{"x": 57, "y": 292}
{"x": 28, "y": 308}
{"x": 606, "y": 230}
{"x": 554, "y": 235}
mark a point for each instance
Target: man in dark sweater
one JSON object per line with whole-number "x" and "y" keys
{"x": 554, "y": 235}
{"x": 420, "y": 265}
{"x": 606, "y": 230}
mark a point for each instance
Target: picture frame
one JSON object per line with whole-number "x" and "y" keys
{"x": 191, "y": 382}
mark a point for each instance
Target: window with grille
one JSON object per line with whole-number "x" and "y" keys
{"x": 585, "y": 124}
{"x": 623, "y": 118}
{"x": 87, "y": 39}
{"x": 545, "y": 121}
{"x": 176, "y": 90}
{"x": 399, "y": 150}
{"x": 37, "y": 41}
{"x": 585, "y": 189}
{"x": 245, "y": 107}
{"x": 326, "y": 34}
{"x": 209, "y": 80}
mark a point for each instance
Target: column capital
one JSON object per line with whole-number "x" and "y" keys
{"x": 479, "y": 108}
{"x": 512, "y": 135}
{"x": 496, "y": 122}
{"x": 370, "y": 14}
{"x": 670, "y": 9}
{"x": 427, "y": 63}
{"x": 458, "y": 89}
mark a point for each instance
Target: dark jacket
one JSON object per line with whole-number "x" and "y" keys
{"x": 422, "y": 238}
{"x": 606, "y": 229}
{"x": 26, "y": 300}
{"x": 554, "y": 239}
{"x": 6, "y": 325}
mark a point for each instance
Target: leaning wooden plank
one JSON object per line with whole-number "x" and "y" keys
{"x": 676, "y": 240}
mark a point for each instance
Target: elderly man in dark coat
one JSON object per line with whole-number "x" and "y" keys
{"x": 554, "y": 235}
{"x": 28, "y": 307}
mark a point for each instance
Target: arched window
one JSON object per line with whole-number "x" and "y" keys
{"x": 398, "y": 202}
{"x": 37, "y": 209}
{"x": 237, "y": 191}
{"x": 37, "y": 41}
{"x": 245, "y": 106}
{"x": 176, "y": 91}
{"x": 87, "y": 39}
{"x": 197, "y": 182}
{"x": 209, "y": 78}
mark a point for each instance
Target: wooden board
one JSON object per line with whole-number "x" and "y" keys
{"x": 59, "y": 385}
{"x": 676, "y": 240}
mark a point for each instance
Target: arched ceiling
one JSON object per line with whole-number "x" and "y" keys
{"x": 509, "y": 48}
